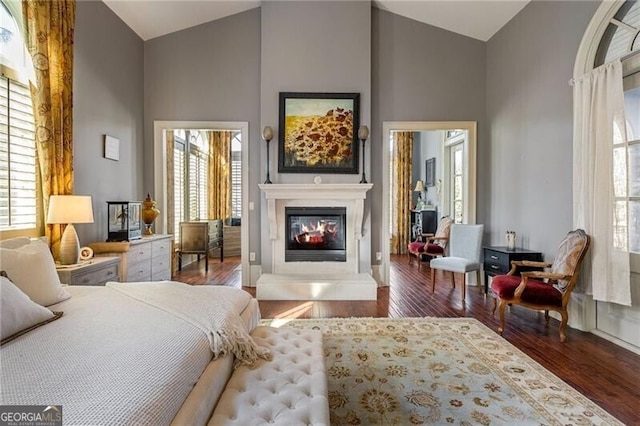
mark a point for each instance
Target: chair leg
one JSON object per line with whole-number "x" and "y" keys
{"x": 502, "y": 306}
{"x": 546, "y": 317}
{"x": 453, "y": 280}
{"x": 433, "y": 280}
{"x": 563, "y": 324}
{"x": 479, "y": 281}
{"x": 464, "y": 286}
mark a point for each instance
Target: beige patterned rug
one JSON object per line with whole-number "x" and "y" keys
{"x": 439, "y": 371}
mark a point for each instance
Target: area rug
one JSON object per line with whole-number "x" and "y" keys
{"x": 415, "y": 371}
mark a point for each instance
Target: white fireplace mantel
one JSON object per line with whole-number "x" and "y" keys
{"x": 308, "y": 280}
{"x": 322, "y": 191}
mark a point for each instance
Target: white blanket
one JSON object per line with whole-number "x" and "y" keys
{"x": 213, "y": 310}
{"x": 110, "y": 360}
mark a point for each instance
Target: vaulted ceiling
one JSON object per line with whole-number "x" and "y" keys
{"x": 479, "y": 19}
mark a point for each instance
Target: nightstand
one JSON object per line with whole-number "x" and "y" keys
{"x": 497, "y": 260}
{"x": 95, "y": 271}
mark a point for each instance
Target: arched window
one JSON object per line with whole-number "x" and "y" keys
{"x": 18, "y": 206}
{"x": 621, "y": 37}
{"x": 621, "y": 40}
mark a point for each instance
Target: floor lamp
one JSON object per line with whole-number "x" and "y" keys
{"x": 67, "y": 210}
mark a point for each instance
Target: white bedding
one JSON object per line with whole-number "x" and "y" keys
{"x": 109, "y": 360}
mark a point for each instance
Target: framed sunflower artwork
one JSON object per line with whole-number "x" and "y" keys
{"x": 318, "y": 133}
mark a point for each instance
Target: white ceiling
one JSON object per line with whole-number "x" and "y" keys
{"x": 479, "y": 19}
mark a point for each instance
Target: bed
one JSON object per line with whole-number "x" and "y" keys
{"x": 114, "y": 359}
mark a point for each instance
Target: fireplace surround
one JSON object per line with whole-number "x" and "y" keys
{"x": 348, "y": 278}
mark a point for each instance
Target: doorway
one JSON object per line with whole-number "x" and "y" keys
{"x": 466, "y": 142}
{"x": 241, "y": 129}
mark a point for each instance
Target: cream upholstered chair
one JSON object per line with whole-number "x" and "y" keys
{"x": 432, "y": 245}
{"x": 543, "y": 290}
{"x": 465, "y": 244}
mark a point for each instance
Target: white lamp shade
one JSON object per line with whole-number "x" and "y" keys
{"x": 419, "y": 186}
{"x": 363, "y": 133}
{"x": 267, "y": 133}
{"x": 65, "y": 209}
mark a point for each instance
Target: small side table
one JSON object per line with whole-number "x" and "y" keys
{"x": 497, "y": 260}
{"x": 95, "y": 271}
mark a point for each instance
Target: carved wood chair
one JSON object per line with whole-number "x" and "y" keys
{"x": 464, "y": 255}
{"x": 544, "y": 290}
{"x": 432, "y": 245}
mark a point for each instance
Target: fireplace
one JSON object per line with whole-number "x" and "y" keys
{"x": 315, "y": 234}
{"x": 302, "y": 220}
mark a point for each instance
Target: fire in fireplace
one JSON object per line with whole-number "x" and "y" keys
{"x": 315, "y": 234}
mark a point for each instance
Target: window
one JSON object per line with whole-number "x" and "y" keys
{"x": 17, "y": 133}
{"x": 236, "y": 175}
{"x": 190, "y": 171}
{"x": 621, "y": 40}
{"x": 622, "y": 35}
{"x": 198, "y": 168}
{"x": 457, "y": 183}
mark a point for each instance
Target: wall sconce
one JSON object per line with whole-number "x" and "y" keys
{"x": 363, "y": 135}
{"x": 267, "y": 135}
{"x": 69, "y": 209}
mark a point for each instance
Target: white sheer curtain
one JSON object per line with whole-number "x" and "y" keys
{"x": 600, "y": 181}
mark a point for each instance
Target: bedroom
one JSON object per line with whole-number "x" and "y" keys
{"x": 514, "y": 86}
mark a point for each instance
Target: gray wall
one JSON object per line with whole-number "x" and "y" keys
{"x": 207, "y": 73}
{"x": 314, "y": 46}
{"x": 423, "y": 73}
{"x": 529, "y": 105}
{"x": 232, "y": 69}
{"x": 108, "y": 99}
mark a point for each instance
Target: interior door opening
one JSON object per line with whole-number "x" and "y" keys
{"x": 438, "y": 149}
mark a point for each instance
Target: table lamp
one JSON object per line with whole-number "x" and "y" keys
{"x": 419, "y": 189}
{"x": 69, "y": 209}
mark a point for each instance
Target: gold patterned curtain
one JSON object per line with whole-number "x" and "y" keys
{"x": 401, "y": 163}
{"x": 219, "y": 174}
{"x": 171, "y": 193}
{"x": 49, "y": 27}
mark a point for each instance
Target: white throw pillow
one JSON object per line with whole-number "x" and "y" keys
{"x": 18, "y": 312}
{"x": 32, "y": 270}
{"x": 14, "y": 243}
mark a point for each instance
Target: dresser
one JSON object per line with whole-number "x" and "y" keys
{"x": 95, "y": 272}
{"x": 149, "y": 259}
{"x": 423, "y": 222}
{"x": 497, "y": 260}
{"x": 144, "y": 259}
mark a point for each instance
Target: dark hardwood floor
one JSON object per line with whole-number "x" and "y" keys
{"x": 602, "y": 371}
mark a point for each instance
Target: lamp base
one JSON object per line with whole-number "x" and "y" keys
{"x": 69, "y": 247}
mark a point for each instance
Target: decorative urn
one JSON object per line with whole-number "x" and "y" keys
{"x": 149, "y": 214}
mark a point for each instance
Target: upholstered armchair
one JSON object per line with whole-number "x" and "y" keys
{"x": 432, "y": 245}
{"x": 545, "y": 290}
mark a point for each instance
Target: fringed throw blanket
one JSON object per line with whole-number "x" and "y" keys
{"x": 214, "y": 310}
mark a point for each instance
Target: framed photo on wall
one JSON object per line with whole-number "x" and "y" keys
{"x": 430, "y": 167}
{"x": 319, "y": 133}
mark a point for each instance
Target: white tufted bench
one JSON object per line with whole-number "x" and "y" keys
{"x": 291, "y": 389}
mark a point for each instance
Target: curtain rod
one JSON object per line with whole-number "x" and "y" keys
{"x": 572, "y": 81}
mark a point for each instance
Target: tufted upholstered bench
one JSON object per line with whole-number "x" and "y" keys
{"x": 291, "y": 389}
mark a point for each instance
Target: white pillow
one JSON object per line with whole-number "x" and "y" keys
{"x": 18, "y": 312}
{"x": 14, "y": 243}
{"x": 32, "y": 269}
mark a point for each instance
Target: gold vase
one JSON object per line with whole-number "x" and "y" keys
{"x": 149, "y": 214}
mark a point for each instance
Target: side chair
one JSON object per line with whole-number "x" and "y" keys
{"x": 432, "y": 245}
{"x": 543, "y": 290}
{"x": 465, "y": 247}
